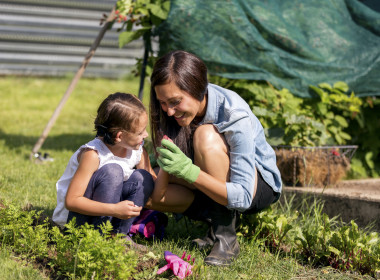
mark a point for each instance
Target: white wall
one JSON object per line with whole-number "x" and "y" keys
{"x": 52, "y": 37}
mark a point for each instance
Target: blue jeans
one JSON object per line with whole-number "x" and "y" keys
{"x": 107, "y": 186}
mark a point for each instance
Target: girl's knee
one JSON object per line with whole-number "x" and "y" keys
{"x": 111, "y": 173}
{"x": 106, "y": 183}
{"x": 111, "y": 169}
{"x": 142, "y": 175}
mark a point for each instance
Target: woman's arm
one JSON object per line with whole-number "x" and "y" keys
{"x": 236, "y": 188}
{"x": 145, "y": 164}
{"x": 214, "y": 188}
{"x": 160, "y": 186}
{"x": 76, "y": 202}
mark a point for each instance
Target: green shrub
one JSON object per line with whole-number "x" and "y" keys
{"x": 78, "y": 253}
{"x": 18, "y": 230}
{"x": 334, "y": 117}
{"x": 311, "y": 236}
{"x": 365, "y": 133}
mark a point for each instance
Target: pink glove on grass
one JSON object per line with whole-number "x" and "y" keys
{"x": 179, "y": 266}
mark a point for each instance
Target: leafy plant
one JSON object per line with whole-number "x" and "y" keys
{"x": 365, "y": 133}
{"x": 87, "y": 253}
{"x": 269, "y": 227}
{"x": 140, "y": 18}
{"x": 334, "y": 117}
{"x": 77, "y": 253}
{"x": 334, "y": 108}
{"x": 353, "y": 250}
{"x": 283, "y": 116}
{"x": 290, "y": 120}
{"x": 311, "y": 236}
{"x": 17, "y": 229}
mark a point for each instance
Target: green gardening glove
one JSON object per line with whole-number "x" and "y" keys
{"x": 175, "y": 162}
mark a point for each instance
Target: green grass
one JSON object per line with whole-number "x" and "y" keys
{"x": 12, "y": 268}
{"x": 25, "y": 108}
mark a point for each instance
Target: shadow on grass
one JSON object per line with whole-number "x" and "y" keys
{"x": 70, "y": 141}
{"x": 178, "y": 231}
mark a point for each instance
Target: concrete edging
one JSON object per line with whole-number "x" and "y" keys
{"x": 357, "y": 200}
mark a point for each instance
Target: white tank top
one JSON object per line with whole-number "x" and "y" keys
{"x": 105, "y": 156}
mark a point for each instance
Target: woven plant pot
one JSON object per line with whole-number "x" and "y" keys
{"x": 313, "y": 166}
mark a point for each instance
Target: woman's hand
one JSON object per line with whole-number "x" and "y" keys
{"x": 126, "y": 209}
{"x": 175, "y": 162}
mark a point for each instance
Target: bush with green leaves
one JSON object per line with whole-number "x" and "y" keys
{"x": 290, "y": 120}
{"x": 365, "y": 133}
{"x": 76, "y": 253}
{"x": 335, "y": 108}
{"x": 268, "y": 227}
{"x": 140, "y": 19}
{"x": 82, "y": 252}
{"x": 335, "y": 116}
{"x": 18, "y": 229}
{"x": 311, "y": 236}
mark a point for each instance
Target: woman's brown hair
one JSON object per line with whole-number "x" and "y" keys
{"x": 118, "y": 112}
{"x": 189, "y": 73}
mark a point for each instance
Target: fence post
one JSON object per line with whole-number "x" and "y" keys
{"x": 74, "y": 81}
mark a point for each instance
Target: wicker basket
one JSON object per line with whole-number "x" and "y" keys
{"x": 313, "y": 166}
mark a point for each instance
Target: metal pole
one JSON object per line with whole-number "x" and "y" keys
{"x": 90, "y": 54}
{"x": 147, "y": 45}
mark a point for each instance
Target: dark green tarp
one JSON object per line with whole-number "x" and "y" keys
{"x": 289, "y": 43}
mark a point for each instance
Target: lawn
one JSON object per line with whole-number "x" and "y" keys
{"x": 26, "y": 106}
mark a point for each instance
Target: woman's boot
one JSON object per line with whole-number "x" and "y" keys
{"x": 207, "y": 241}
{"x": 226, "y": 246}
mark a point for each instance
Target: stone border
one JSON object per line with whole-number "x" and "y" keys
{"x": 357, "y": 200}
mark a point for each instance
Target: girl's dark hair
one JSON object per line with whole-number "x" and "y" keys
{"x": 189, "y": 73}
{"x": 118, "y": 112}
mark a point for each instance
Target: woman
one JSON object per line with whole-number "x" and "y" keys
{"x": 219, "y": 162}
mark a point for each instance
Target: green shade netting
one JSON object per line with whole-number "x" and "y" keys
{"x": 290, "y": 43}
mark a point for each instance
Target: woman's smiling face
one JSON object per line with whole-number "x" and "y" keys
{"x": 179, "y": 104}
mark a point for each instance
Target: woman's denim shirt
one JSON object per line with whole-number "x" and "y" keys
{"x": 248, "y": 148}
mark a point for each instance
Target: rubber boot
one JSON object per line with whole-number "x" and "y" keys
{"x": 226, "y": 246}
{"x": 206, "y": 242}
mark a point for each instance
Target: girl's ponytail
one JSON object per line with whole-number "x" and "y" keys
{"x": 102, "y": 131}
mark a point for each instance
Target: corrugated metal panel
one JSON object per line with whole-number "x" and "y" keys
{"x": 52, "y": 37}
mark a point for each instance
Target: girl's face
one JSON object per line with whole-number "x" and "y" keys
{"x": 133, "y": 140}
{"x": 179, "y": 104}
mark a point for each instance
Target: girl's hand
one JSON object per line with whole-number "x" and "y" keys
{"x": 126, "y": 209}
{"x": 175, "y": 162}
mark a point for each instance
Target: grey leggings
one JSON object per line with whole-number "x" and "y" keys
{"x": 107, "y": 186}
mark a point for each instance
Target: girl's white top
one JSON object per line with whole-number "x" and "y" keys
{"x": 105, "y": 156}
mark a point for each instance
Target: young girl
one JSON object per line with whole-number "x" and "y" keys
{"x": 100, "y": 182}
